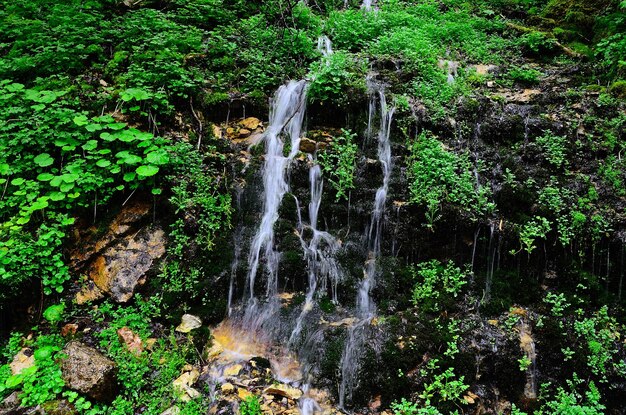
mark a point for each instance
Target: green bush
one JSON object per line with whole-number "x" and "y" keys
{"x": 524, "y": 75}
{"x": 250, "y": 406}
{"x": 338, "y": 161}
{"x": 436, "y": 285}
{"x": 438, "y": 176}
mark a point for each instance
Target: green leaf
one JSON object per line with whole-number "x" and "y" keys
{"x": 45, "y": 352}
{"x": 45, "y": 177}
{"x": 147, "y": 170}
{"x": 158, "y": 157}
{"x": 56, "y": 181}
{"x": 5, "y": 169}
{"x": 57, "y": 196}
{"x": 157, "y": 191}
{"x": 40, "y": 203}
{"x": 103, "y": 163}
{"x": 18, "y": 181}
{"x": 116, "y": 126}
{"x": 54, "y": 313}
{"x": 13, "y": 381}
{"x": 66, "y": 187}
{"x": 81, "y": 120}
{"x": 90, "y": 145}
{"x": 130, "y": 176}
{"x": 44, "y": 160}
{"x": 93, "y": 127}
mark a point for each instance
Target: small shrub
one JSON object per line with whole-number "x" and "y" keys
{"x": 338, "y": 161}
{"x": 250, "y": 406}
{"x": 524, "y": 75}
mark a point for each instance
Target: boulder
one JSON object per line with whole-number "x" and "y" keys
{"x": 284, "y": 391}
{"x": 22, "y": 360}
{"x": 123, "y": 266}
{"x": 189, "y": 322}
{"x": 307, "y": 145}
{"x": 250, "y": 123}
{"x": 131, "y": 340}
{"x": 88, "y": 371}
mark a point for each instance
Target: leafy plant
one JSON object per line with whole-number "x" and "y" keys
{"x": 438, "y": 175}
{"x": 436, "y": 284}
{"x": 338, "y": 160}
{"x": 250, "y": 406}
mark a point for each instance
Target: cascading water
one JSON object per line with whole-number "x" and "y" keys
{"x": 367, "y": 5}
{"x": 237, "y": 239}
{"x": 366, "y": 309}
{"x": 527, "y": 344}
{"x": 324, "y": 46}
{"x": 286, "y": 118}
{"x": 319, "y": 252}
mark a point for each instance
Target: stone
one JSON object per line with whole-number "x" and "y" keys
{"x": 172, "y": 410}
{"x": 183, "y": 384}
{"x": 88, "y": 293}
{"x": 485, "y": 69}
{"x": 284, "y": 391}
{"x": 69, "y": 329}
{"x": 233, "y": 370}
{"x": 217, "y": 131}
{"x": 123, "y": 267}
{"x": 227, "y": 388}
{"x": 215, "y": 350}
{"x": 525, "y": 96}
{"x": 307, "y": 145}
{"x": 22, "y": 360}
{"x": 244, "y": 132}
{"x": 243, "y": 394}
{"x": 131, "y": 340}
{"x": 88, "y": 371}
{"x": 250, "y": 123}
{"x": 188, "y": 322}
{"x": 59, "y": 407}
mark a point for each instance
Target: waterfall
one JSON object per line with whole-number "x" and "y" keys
{"x": 319, "y": 252}
{"x": 365, "y": 307}
{"x": 527, "y": 344}
{"x": 286, "y": 117}
{"x": 237, "y": 240}
{"x": 324, "y": 46}
{"x": 367, "y": 5}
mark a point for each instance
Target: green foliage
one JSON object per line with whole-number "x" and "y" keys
{"x": 250, "y": 406}
{"x": 524, "y": 363}
{"x": 535, "y": 228}
{"x": 338, "y": 161}
{"x": 600, "y": 333}
{"x": 53, "y": 160}
{"x": 537, "y": 43}
{"x": 54, "y": 313}
{"x": 436, "y": 284}
{"x": 524, "y": 75}
{"x": 336, "y": 79}
{"x": 196, "y": 191}
{"x": 43, "y": 381}
{"x": 405, "y": 407}
{"x": 554, "y": 149}
{"x": 572, "y": 402}
{"x": 439, "y": 176}
{"x": 445, "y": 385}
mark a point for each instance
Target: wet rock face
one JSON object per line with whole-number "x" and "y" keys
{"x": 118, "y": 261}
{"x": 88, "y": 371}
{"x": 123, "y": 266}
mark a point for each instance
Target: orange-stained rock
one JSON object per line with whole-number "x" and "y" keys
{"x": 69, "y": 329}
{"x": 131, "y": 340}
{"x": 250, "y": 123}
